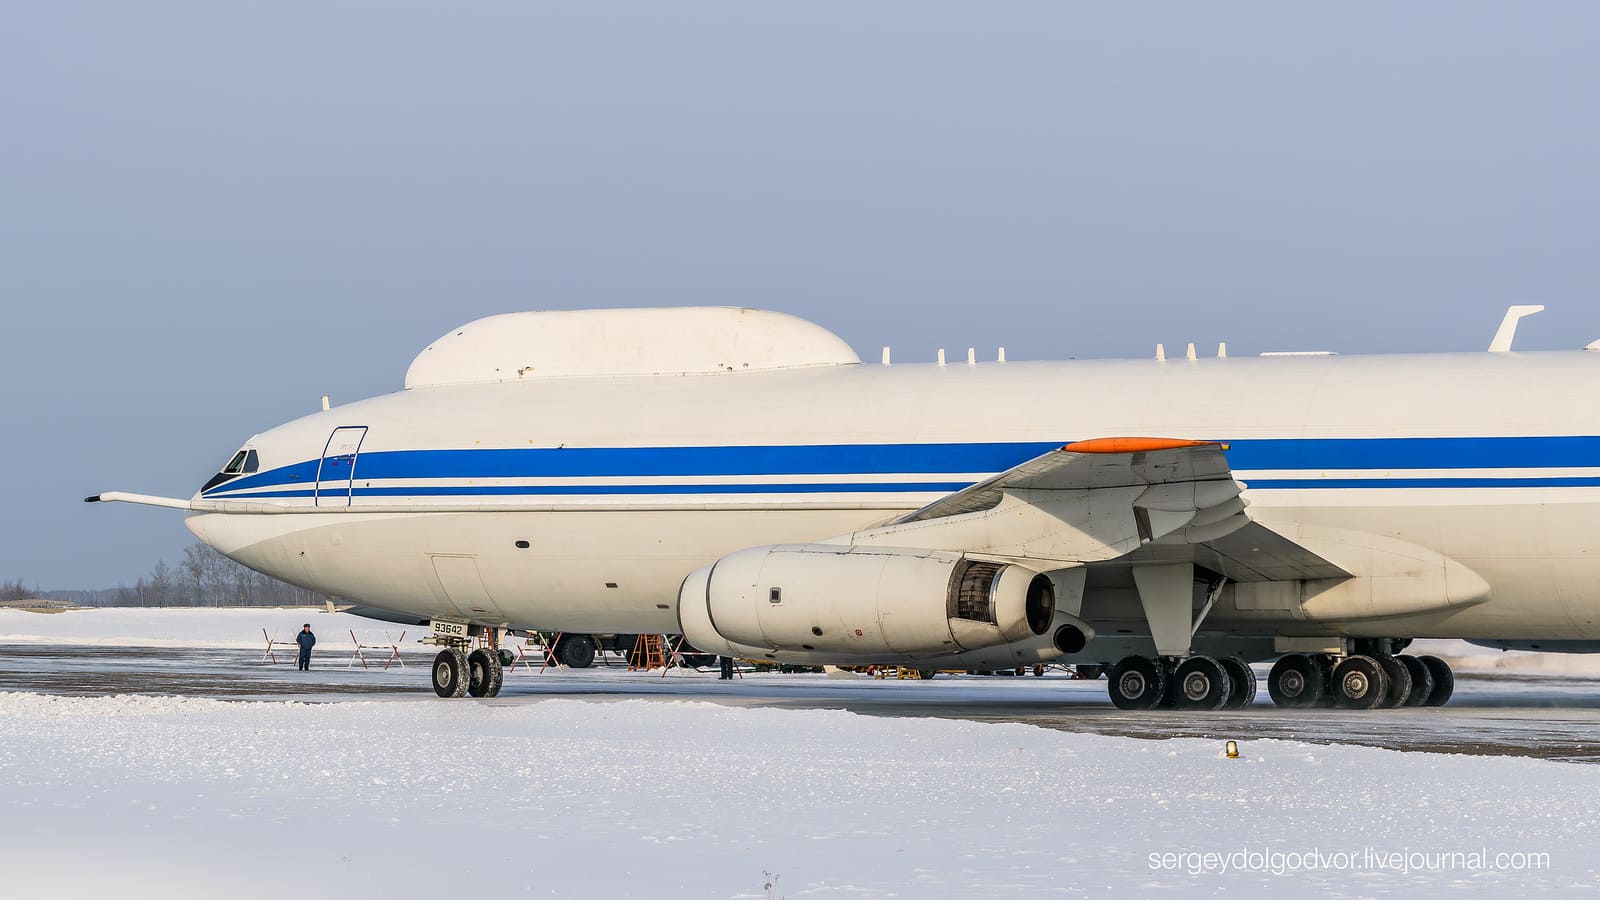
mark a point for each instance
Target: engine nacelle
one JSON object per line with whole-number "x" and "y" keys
{"x": 827, "y": 603}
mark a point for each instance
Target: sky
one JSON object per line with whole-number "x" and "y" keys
{"x": 213, "y": 214}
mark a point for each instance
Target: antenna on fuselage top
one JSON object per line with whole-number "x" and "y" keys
{"x": 325, "y": 403}
{"x": 1508, "y": 327}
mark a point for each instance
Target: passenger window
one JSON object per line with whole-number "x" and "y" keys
{"x": 235, "y": 465}
{"x": 252, "y": 463}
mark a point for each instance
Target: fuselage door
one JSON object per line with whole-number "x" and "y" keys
{"x": 337, "y": 470}
{"x": 463, "y": 586}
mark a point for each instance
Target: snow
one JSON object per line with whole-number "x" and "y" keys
{"x": 235, "y": 628}
{"x": 1470, "y": 658}
{"x": 186, "y": 797}
{"x": 600, "y": 796}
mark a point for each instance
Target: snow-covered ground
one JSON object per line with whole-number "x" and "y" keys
{"x": 184, "y": 797}
{"x": 599, "y": 796}
{"x": 238, "y": 628}
{"x": 1468, "y": 658}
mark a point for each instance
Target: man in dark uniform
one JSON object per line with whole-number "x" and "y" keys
{"x": 306, "y": 640}
{"x": 726, "y": 664}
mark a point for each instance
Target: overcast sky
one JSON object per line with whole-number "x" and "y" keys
{"x": 211, "y": 215}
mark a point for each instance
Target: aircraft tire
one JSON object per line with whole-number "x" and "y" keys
{"x": 1359, "y": 682}
{"x": 1296, "y": 681}
{"x": 506, "y": 657}
{"x": 1421, "y": 680}
{"x": 1400, "y": 687}
{"x": 1137, "y": 682}
{"x": 926, "y": 674}
{"x": 484, "y": 673}
{"x": 450, "y": 673}
{"x": 1444, "y": 681}
{"x": 1200, "y": 683}
{"x": 575, "y": 651}
{"x": 1089, "y": 673}
{"x": 1241, "y": 682}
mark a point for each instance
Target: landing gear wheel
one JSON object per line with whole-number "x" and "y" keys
{"x": 1137, "y": 682}
{"x": 575, "y": 651}
{"x": 507, "y": 658}
{"x": 484, "y": 673}
{"x": 1444, "y": 681}
{"x": 1200, "y": 682}
{"x": 1089, "y": 673}
{"x": 1360, "y": 683}
{"x": 1296, "y": 681}
{"x": 1399, "y": 682}
{"x": 450, "y": 673}
{"x": 926, "y": 674}
{"x": 1241, "y": 682}
{"x": 1421, "y": 680}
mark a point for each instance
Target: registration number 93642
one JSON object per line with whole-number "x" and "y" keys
{"x": 448, "y": 629}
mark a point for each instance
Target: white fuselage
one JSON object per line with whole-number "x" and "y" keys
{"x": 581, "y": 503}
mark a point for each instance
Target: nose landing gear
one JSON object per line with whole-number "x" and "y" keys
{"x": 450, "y": 673}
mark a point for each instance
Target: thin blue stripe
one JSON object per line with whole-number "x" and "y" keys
{"x": 942, "y": 487}
{"x": 1288, "y": 484}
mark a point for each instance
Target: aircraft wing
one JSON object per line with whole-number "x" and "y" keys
{"x": 1135, "y": 500}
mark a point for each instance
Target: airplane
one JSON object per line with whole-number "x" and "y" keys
{"x": 741, "y": 478}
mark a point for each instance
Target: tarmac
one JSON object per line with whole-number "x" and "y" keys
{"x": 1531, "y": 716}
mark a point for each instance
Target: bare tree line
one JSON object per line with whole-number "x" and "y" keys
{"x": 203, "y": 577}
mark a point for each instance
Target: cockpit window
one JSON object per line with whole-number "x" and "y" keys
{"x": 245, "y": 462}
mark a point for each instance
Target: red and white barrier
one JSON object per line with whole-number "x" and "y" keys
{"x": 383, "y": 642}
{"x": 274, "y": 647}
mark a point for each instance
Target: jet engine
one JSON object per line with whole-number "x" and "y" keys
{"x": 820, "y": 603}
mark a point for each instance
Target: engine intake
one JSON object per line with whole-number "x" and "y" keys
{"x": 850, "y": 604}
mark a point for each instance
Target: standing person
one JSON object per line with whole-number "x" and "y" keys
{"x": 726, "y": 662}
{"x": 306, "y": 640}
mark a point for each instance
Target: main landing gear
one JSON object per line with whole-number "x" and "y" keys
{"x": 1195, "y": 682}
{"x": 1372, "y": 676}
{"x": 1361, "y": 681}
{"x": 1297, "y": 680}
{"x": 458, "y": 673}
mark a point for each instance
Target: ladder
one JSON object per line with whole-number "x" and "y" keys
{"x": 647, "y": 654}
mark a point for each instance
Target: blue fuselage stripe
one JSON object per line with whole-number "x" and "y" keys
{"x": 1308, "y": 455}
